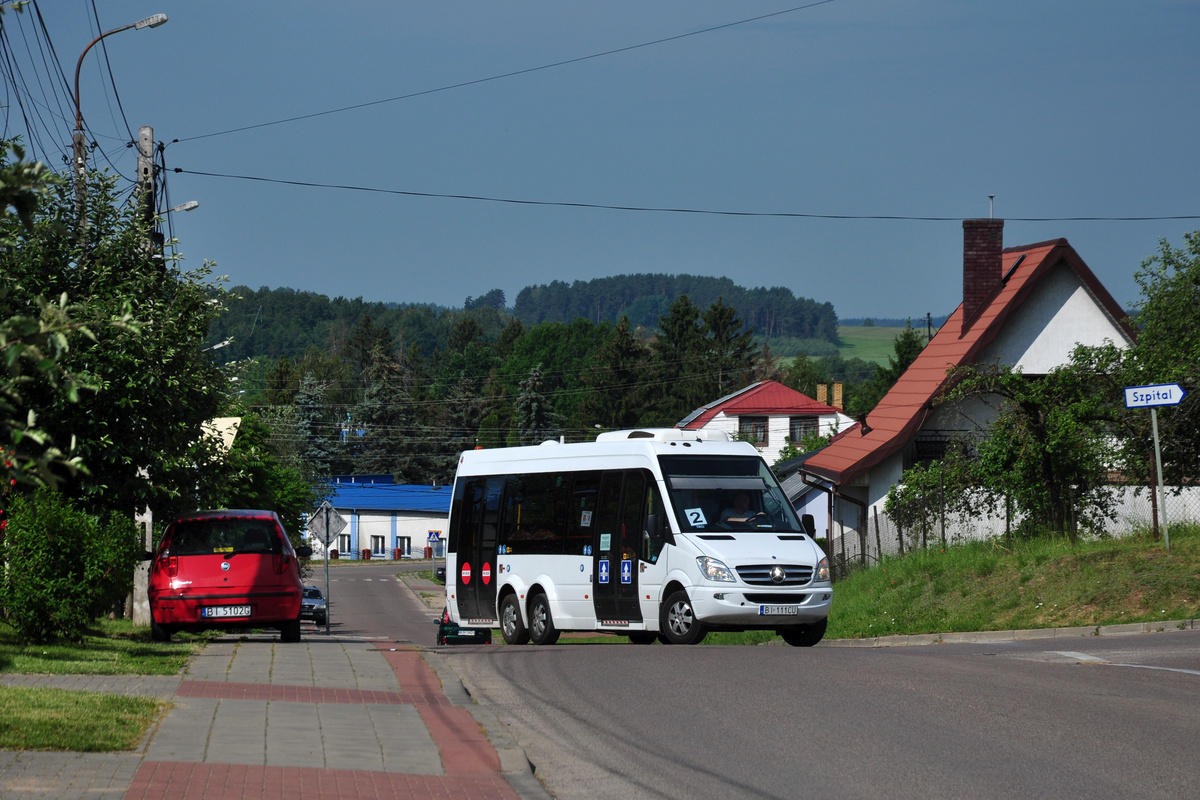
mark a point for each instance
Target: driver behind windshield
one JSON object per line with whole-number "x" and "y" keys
{"x": 740, "y": 510}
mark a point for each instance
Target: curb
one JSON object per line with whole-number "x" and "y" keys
{"x": 515, "y": 765}
{"x": 1125, "y": 629}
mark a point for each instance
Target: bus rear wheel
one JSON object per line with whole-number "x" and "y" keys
{"x": 511, "y": 626}
{"x": 541, "y": 624}
{"x": 678, "y": 622}
{"x": 643, "y": 637}
{"x": 804, "y": 635}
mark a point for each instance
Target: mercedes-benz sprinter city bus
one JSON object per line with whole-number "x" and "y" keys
{"x": 663, "y": 534}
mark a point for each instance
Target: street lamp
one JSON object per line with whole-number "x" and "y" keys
{"x": 80, "y": 152}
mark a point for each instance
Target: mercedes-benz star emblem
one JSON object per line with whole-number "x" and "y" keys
{"x": 778, "y": 574}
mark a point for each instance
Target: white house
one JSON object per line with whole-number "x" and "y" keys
{"x": 387, "y": 520}
{"x": 1025, "y": 306}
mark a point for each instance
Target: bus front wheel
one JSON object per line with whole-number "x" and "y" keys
{"x": 511, "y": 626}
{"x": 541, "y": 624}
{"x": 678, "y": 622}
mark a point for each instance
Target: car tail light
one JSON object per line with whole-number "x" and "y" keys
{"x": 172, "y": 564}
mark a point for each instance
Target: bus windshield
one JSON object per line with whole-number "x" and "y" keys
{"x": 724, "y": 493}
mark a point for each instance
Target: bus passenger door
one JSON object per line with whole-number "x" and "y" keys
{"x": 617, "y": 540}
{"x": 474, "y": 579}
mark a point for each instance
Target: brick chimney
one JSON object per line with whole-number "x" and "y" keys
{"x": 983, "y": 241}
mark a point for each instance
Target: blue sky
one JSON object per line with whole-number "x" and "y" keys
{"x": 852, "y": 107}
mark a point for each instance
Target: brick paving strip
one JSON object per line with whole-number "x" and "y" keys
{"x": 469, "y": 764}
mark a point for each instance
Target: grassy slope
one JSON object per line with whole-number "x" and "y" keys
{"x": 1042, "y": 583}
{"x": 869, "y": 344}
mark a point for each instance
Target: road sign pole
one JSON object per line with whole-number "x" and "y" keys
{"x": 327, "y": 603}
{"x": 1162, "y": 500}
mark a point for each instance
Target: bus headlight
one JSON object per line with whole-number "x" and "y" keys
{"x": 822, "y": 573}
{"x": 714, "y": 570}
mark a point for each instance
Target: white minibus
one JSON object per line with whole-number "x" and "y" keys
{"x": 654, "y": 534}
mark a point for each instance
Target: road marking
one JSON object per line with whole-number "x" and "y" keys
{"x": 1079, "y": 656}
{"x": 1085, "y": 658}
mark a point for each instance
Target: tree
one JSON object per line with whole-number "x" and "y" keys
{"x": 154, "y": 384}
{"x": 729, "y": 350}
{"x": 1168, "y": 351}
{"x": 534, "y": 415}
{"x": 618, "y": 391}
{"x": 1049, "y": 445}
{"x": 678, "y": 354}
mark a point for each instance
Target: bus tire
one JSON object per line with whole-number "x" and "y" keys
{"x": 541, "y": 624}
{"x": 678, "y": 622}
{"x": 643, "y": 637}
{"x": 511, "y": 626}
{"x": 804, "y": 635}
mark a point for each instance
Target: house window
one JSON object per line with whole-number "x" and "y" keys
{"x": 378, "y": 545}
{"x": 343, "y": 543}
{"x": 753, "y": 430}
{"x": 803, "y": 427}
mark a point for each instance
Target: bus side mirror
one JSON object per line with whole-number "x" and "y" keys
{"x": 656, "y": 528}
{"x": 809, "y": 526}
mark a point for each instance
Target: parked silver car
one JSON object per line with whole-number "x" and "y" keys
{"x": 312, "y": 605}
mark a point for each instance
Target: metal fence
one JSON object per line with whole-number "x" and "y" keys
{"x": 850, "y": 549}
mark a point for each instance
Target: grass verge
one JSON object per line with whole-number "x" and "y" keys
{"x": 110, "y": 647}
{"x": 58, "y": 719}
{"x": 1033, "y": 583}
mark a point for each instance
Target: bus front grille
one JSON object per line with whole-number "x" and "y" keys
{"x": 760, "y": 574}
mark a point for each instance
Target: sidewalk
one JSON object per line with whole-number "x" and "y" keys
{"x": 256, "y": 718}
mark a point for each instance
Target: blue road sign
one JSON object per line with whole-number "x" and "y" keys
{"x": 626, "y": 571}
{"x": 602, "y": 574}
{"x": 1163, "y": 394}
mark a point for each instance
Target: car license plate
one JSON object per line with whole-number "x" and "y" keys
{"x": 466, "y": 633}
{"x": 773, "y": 611}
{"x": 212, "y": 612}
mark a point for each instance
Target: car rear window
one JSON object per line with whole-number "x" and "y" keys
{"x": 203, "y": 537}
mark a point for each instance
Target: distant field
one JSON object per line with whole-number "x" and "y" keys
{"x": 869, "y": 344}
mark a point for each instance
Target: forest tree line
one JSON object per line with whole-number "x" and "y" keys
{"x": 374, "y": 399}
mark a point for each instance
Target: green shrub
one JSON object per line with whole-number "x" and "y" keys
{"x": 62, "y": 566}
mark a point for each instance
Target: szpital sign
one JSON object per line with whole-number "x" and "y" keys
{"x": 1162, "y": 394}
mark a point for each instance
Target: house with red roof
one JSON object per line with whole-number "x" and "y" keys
{"x": 768, "y": 415}
{"x": 1026, "y": 306}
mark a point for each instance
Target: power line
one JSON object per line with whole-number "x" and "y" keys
{"x": 668, "y": 209}
{"x": 512, "y": 74}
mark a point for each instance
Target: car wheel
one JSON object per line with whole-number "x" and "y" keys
{"x": 678, "y": 622}
{"x": 159, "y": 633}
{"x": 643, "y": 637}
{"x": 541, "y": 624}
{"x": 804, "y": 635}
{"x": 290, "y": 631}
{"x": 510, "y": 620}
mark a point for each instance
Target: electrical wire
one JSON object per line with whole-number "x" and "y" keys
{"x": 514, "y": 73}
{"x": 669, "y": 209}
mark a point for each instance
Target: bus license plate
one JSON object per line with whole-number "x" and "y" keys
{"x": 224, "y": 612}
{"x": 774, "y": 611}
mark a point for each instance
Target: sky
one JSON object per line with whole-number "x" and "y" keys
{"x": 783, "y": 113}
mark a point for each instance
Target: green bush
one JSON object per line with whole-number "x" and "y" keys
{"x": 62, "y": 566}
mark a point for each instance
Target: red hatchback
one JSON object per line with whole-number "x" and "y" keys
{"x": 226, "y": 569}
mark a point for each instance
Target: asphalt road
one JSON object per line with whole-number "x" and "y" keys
{"x": 367, "y": 599}
{"x": 1056, "y": 718}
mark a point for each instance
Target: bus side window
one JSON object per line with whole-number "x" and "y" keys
{"x": 581, "y": 510}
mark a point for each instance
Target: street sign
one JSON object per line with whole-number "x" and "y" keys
{"x": 325, "y": 524}
{"x": 1163, "y": 394}
{"x": 434, "y": 536}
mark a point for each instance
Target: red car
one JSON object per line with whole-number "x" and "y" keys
{"x": 226, "y": 569}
